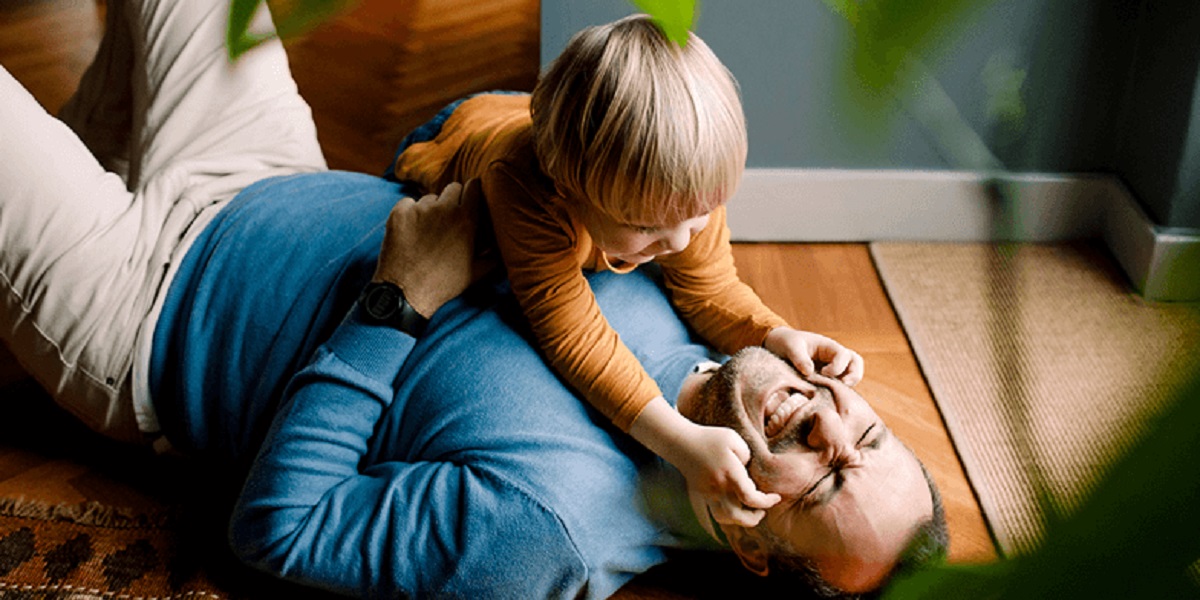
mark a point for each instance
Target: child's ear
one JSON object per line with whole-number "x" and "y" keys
{"x": 749, "y": 548}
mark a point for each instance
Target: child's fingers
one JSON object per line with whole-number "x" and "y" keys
{"x": 753, "y": 498}
{"x": 748, "y": 494}
{"x": 803, "y": 363}
{"x": 742, "y": 504}
{"x": 731, "y": 513}
{"x": 854, "y": 372}
{"x": 836, "y": 366}
{"x": 847, "y": 365}
{"x": 739, "y": 448}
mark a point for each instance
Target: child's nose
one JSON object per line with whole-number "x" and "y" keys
{"x": 677, "y": 240}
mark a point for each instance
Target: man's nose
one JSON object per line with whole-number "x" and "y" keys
{"x": 830, "y": 434}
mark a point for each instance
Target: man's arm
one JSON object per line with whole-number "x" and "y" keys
{"x": 312, "y": 510}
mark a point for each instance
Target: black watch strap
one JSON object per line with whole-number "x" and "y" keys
{"x": 384, "y": 302}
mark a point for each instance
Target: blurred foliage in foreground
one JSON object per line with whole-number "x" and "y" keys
{"x": 291, "y": 17}
{"x": 296, "y": 17}
{"x": 1136, "y": 536}
{"x": 674, "y": 17}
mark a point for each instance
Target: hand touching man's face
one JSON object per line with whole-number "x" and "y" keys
{"x": 853, "y": 494}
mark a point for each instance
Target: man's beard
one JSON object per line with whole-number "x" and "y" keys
{"x": 720, "y": 402}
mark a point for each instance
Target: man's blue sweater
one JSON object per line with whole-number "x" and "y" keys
{"x": 456, "y": 464}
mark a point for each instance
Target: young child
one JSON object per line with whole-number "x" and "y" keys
{"x": 625, "y": 153}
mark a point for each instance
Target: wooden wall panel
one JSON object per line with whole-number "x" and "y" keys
{"x": 384, "y": 67}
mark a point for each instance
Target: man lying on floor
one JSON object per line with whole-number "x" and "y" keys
{"x": 177, "y": 264}
{"x": 455, "y": 461}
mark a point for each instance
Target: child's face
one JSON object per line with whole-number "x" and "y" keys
{"x": 636, "y": 243}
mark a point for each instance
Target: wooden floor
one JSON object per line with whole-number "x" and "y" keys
{"x": 372, "y": 75}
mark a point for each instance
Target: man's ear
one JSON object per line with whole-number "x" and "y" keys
{"x": 749, "y": 548}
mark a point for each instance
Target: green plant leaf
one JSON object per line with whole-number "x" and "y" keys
{"x": 675, "y": 17}
{"x": 238, "y": 38}
{"x": 1003, "y": 83}
{"x": 890, "y": 34}
{"x": 978, "y": 582}
{"x": 888, "y": 44}
{"x": 306, "y": 15}
{"x": 294, "y": 18}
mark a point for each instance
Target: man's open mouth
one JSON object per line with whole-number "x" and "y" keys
{"x": 779, "y": 409}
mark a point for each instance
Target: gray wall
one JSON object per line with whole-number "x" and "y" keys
{"x": 1158, "y": 143}
{"x": 1110, "y": 86}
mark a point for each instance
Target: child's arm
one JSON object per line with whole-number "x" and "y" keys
{"x": 708, "y": 293}
{"x": 705, "y": 288}
{"x": 712, "y": 459}
{"x": 539, "y": 249}
{"x": 578, "y": 343}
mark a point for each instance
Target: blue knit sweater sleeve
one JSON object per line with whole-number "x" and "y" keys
{"x": 313, "y": 510}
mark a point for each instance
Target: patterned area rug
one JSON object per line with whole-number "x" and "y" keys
{"x": 93, "y": 551}
{"x": 1044, "y": 364}
{"x": 151, "y": 528}
{"x": 86, "y": 551}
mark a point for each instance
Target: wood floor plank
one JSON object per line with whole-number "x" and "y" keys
{"x": 49, "y": 70}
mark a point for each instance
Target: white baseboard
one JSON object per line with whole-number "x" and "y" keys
{"x": 820, "y": 205}
{"x": 1162, "y": 262}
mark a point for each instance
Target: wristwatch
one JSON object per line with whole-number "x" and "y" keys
{"x": 384, "y": 302}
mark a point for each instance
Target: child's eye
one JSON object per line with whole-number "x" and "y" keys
{"x": 644, "y": 229}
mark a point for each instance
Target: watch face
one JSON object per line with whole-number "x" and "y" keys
{"x": 382, "y": 300}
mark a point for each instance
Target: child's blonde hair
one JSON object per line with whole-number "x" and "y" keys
{"x": 640, "y": 128}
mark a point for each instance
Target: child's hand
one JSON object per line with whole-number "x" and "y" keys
{"x": 803, "y": 348}
{"x": 713, "y": 459}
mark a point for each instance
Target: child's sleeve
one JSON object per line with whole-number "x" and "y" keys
{"x": 539, "y": 251}
{"x": 705, "y": 288}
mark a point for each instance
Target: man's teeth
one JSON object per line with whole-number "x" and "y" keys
{"x": 777, "y": 418}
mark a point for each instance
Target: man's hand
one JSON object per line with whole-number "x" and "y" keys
{"x": 429, "y": 246}
{"x": 804, "y": 348}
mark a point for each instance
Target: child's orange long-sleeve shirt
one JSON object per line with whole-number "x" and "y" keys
{"x": 545, "y": 250}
